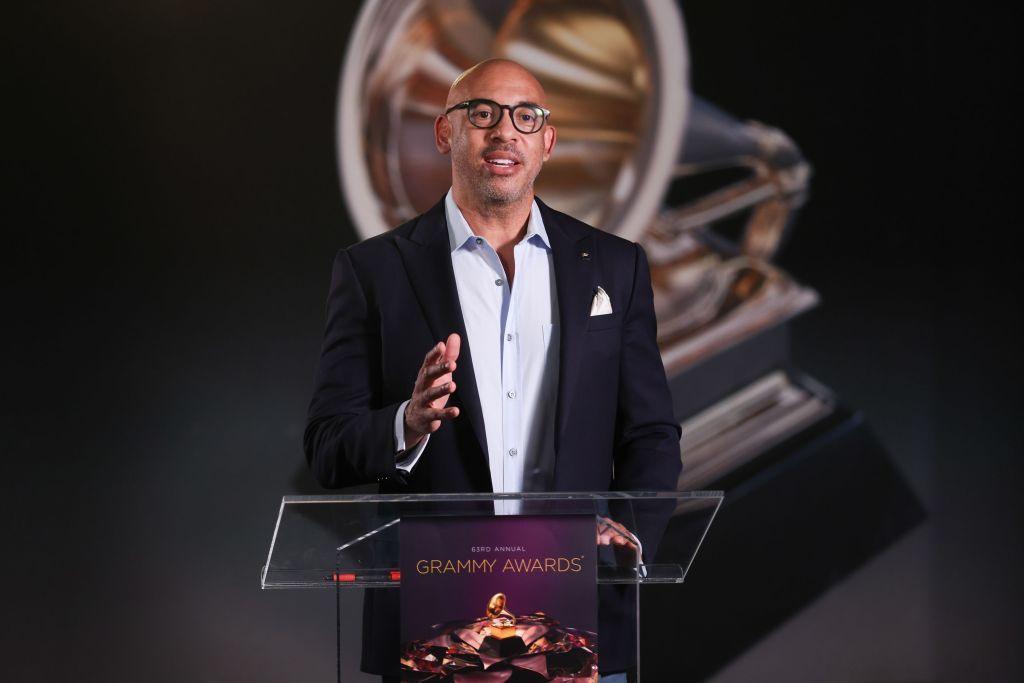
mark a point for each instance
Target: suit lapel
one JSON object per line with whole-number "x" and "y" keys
{"x": 426, "y": 255}
{"x": 574, "y": 284}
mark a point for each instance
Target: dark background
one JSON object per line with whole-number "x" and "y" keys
{"x": 171, "y": 214}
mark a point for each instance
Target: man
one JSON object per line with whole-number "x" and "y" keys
{"x": 547, "y": 375}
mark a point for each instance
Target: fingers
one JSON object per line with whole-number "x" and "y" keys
{"x": 448, "y": 350}
{"x": 422, "y": 418}
{"x": 616, "y": 540}
{"x": 433, "y": 393}
{"x": 431, "y": 375}
{"x": 452, "y": 347}
{"x": 610, "y": 536}
{"x": 434, "y": 355}
{"x": 438, "y": 414}
{"x": 610, "y": 532}
{"x": 440, "y": 359}
{"x": 431, "y": 418}
{"x": 432, "y": 372}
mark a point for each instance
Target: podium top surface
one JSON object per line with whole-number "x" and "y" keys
{"x": 351, "y": 540}
{"x": 524, "y": 495}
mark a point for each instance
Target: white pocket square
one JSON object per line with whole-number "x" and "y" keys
{"x": 601, "y": 305}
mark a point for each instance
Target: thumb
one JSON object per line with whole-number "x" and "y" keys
{"x": 452, "y": 346}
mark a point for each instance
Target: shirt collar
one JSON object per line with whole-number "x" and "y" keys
{"x": 460, "y": 234}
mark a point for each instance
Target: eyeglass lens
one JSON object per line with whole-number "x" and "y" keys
{"x": 526, "y": 118}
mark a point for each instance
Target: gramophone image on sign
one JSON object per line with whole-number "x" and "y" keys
{"x": 710, "y": 198}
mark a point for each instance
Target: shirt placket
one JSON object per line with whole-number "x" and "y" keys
{"x": 511, "y": 401}
{"x": 506, "y": 310}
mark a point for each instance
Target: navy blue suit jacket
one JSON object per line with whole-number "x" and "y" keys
{"x": 393, "y": 297}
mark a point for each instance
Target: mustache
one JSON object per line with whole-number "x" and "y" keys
{"x": 507, "y": 149}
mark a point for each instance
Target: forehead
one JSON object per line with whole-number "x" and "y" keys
{"x": 502, "y": 84}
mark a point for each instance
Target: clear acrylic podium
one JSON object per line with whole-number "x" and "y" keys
{"x": 351, "y": 541}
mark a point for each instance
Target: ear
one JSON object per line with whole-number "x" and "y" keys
{"x": 550, "y": 137}
{"x": 443, "y": 134}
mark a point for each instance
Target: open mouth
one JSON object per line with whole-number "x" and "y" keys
{"x": 501, "y": 160}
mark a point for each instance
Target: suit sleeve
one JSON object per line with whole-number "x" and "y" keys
{"x": 647, "y": 434}
{"x": 349, "y": 437}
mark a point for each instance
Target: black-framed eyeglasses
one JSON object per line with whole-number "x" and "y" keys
{"x": 527, "y": 118}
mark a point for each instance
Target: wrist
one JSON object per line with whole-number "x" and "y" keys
{"x": 412, "y": 437}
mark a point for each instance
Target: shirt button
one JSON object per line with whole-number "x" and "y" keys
{"x": 479, "y": 240}
{"x": 508, "y": 337}
{"x": 499, "y": 282}
{"x": 511, "y": 394}
{"x": 513, "y": 452}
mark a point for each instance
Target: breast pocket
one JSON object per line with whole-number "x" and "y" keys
{"x": 603, "y": 322}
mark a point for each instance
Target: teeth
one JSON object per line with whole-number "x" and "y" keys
{"x": 501, "y": 162}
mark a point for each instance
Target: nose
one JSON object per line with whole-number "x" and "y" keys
{"x": 504, "y": 130}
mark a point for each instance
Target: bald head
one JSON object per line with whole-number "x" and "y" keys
{"x": 493, "y": 72}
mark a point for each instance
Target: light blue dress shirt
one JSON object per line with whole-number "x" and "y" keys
{"x": 513, "y": 334}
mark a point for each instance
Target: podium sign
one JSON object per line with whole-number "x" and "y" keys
{"x": 508, "y": 594}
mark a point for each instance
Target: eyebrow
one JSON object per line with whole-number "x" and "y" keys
{"x": 517, "y": 104}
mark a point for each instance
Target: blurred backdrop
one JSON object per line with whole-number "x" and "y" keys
{"x": 824, "y": 191}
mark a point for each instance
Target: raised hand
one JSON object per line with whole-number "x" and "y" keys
{"x": 427, "y": 408}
